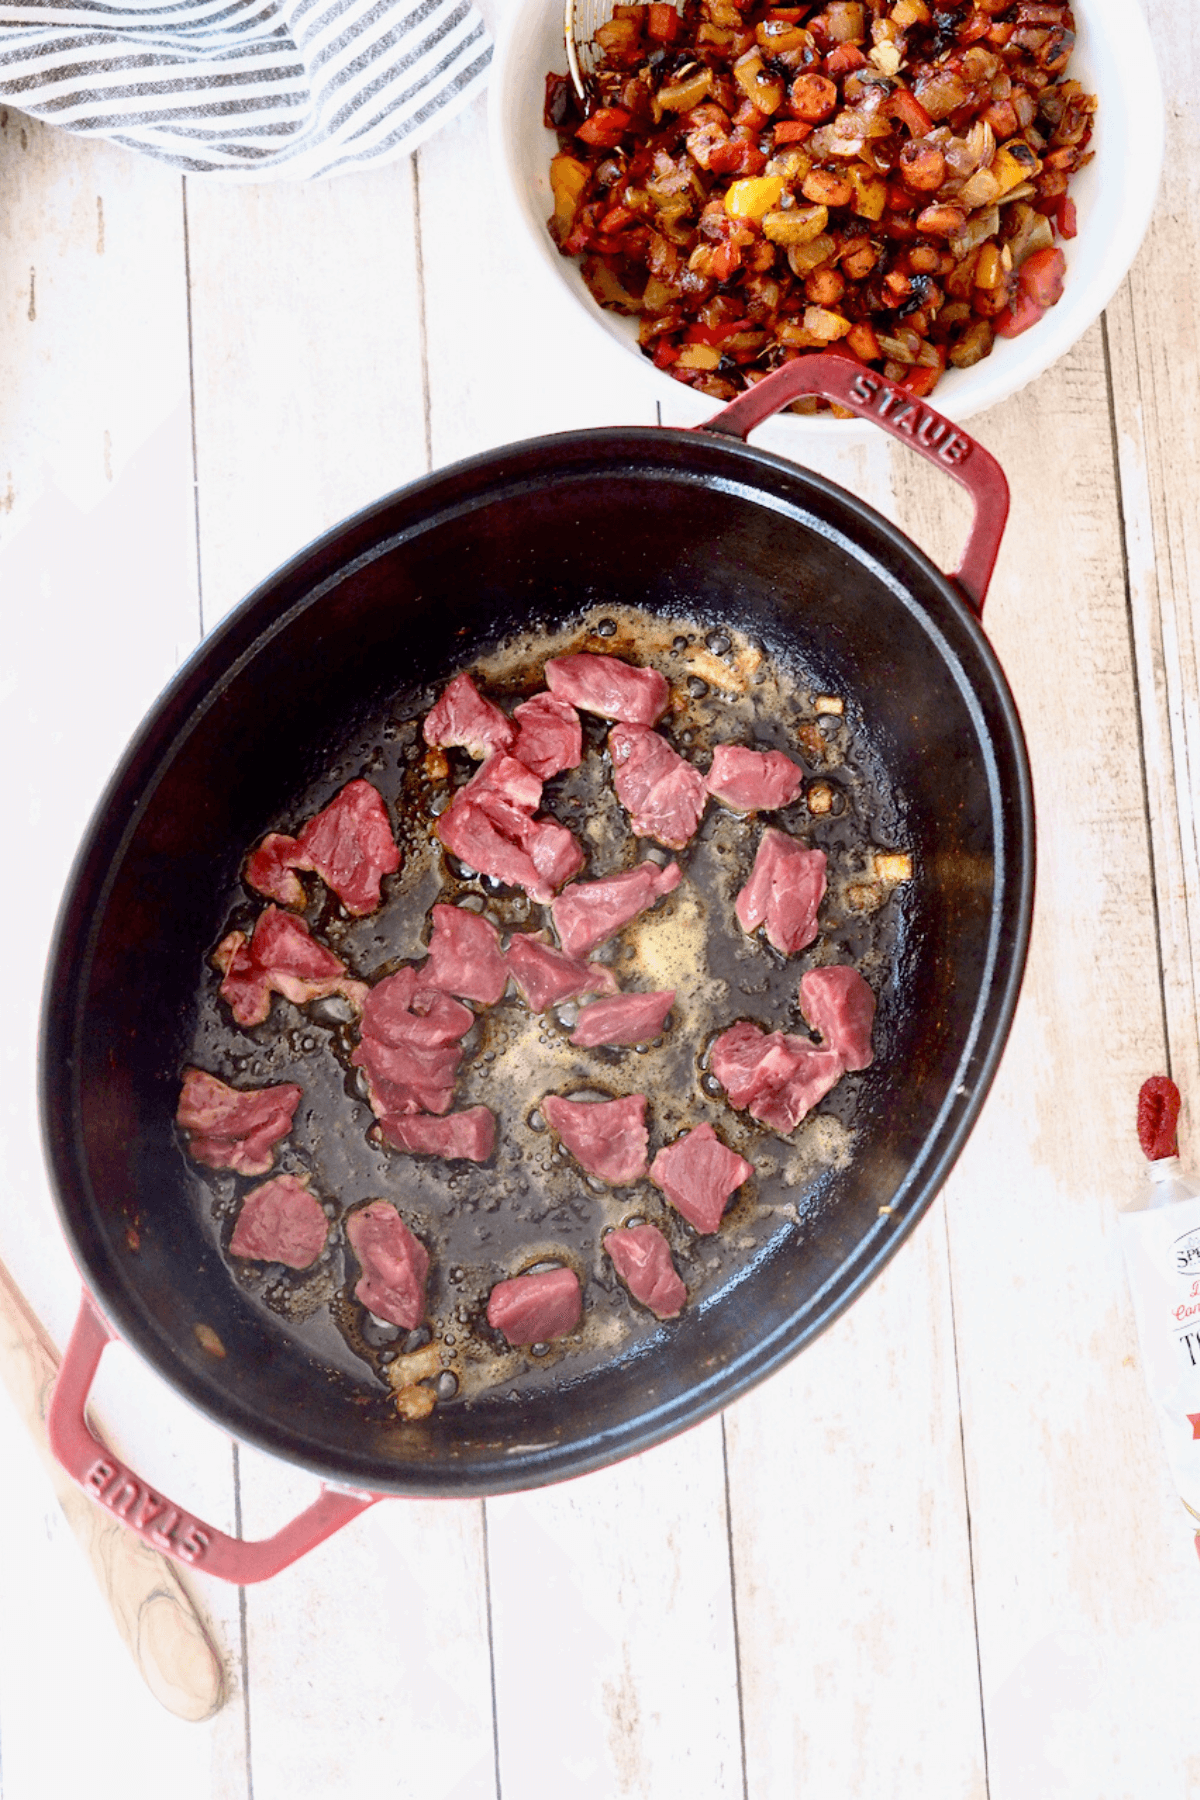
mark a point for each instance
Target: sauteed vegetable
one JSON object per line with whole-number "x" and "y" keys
{"x": 887, "y": 177}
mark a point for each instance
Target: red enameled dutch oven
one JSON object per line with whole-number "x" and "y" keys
{"x": 683, "y": 523}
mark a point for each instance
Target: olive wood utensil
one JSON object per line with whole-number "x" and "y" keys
{"x": 151, "y": 1608}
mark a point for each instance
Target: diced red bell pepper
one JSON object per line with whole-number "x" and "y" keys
{"x": 1017, "y": 317}
{"x": 727, "y": 258}
{"x": 740, "y": 156}
{"x": 749, "y": 115}
{"x": 1041, "y": 276}
{"x": 714, "y": 334}
{"x": 844, "y": 60}
{"x": 662, "y": 23}
{"x": 921, "y": 380}
{"x": 605, "y": 127}
{"x": 1067, "y": 222}
{"x": 665, "y": 354}
{"x": 617, "y": 218}
{"x": 792, "y": 131}
{"x": 905, "y": 106}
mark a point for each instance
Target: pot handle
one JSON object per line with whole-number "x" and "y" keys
{"x": 845, "y": 380}
{"x": 162, "y": 1524}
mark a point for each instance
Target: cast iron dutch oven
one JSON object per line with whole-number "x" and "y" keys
{"x": 678, "y": 522}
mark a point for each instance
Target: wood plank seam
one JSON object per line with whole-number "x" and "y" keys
{"x": 187, "y": 286}
{"x": 487, "y": 1581}
{"x": 423, "y": 335}
{"x": 966, "y": 1491}
{"x": 1141, "y": 712}
{"x": 733, "y": 1603}
{"x": 243, "y": 1632}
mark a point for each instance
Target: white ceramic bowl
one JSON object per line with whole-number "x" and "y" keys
{"x": 1114, "y": 197}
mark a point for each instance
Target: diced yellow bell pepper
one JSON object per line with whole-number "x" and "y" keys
{"x": 799, "y": 225}
{"x": 568, "y": 178}
{"x": 870, "y": 192}
{"x": 1014, "y": 163}
{"x": 698, "y": 356}
{"x": 753, "y": 197}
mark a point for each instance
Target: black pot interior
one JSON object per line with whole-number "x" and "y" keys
{"x": 676, "y": 523}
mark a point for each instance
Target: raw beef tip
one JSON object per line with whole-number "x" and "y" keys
{"x": 837, "y": 1002}
{"x": 550, "y": 738}
{"x": 269, "y": 870}
{"x": 463, "y": 717}
{"x": 607, "y": 1138}
{"x": 588, "y": 913}
{"x": 610, "y": 687}
{"x": 470, "y": 1135}
{"x": 546, "y": 977}
{"x": 280, "y": 958}
{"x": 642, "y": 1258}
{"x": 753, "y": 780}
{"x": 786, "y": 887}
{"x": 234, "y": 1128}
{"x": 489, "y": 825}
{"x": 663, "y": 795}
{"x": 624, "y": 1019}
{"x": 465, "y": 956}
{"x": 532, "y": 1309}
{"x": 394, "y": 1264}
{"x": 349, "y": 845}
{"x": 281, "y": 1222}
{"x": 778, "y": 1079}
{"x": 410, "y": 1045}
{"x": 698, "y": 1173}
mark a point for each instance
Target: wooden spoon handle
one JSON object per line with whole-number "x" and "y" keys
{"x": 153, "y": 1611}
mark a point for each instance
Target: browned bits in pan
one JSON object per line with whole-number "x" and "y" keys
{"x": 755, "y": 183}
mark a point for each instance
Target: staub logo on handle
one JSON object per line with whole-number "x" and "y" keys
{"x": 906, "y": 415}
{"x": 162, "y": 1524}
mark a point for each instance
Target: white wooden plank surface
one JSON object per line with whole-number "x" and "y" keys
{"x": 337, "y": 341}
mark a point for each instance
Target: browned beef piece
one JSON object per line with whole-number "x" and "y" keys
{"x": 395, "y": 1264}
{"x": 550, "y": 738}
{"x": 465, "y": 956}
{"x": 607, "y": 1138}
{"x": 410, "y": 1045}
{"x": 623, "y": 1019}
{"x": 490, "y": 826}
{"x": 533, "y": 1309}
{"x": 662, "y": 793}
{"x": 234, "y": 1128}
{"x": 698, "y": 1173}
{"x": 546, "y": 977}
{"x": 642, "y": 1258}
{"x": 784, "y": 892}
{"x": 281, "y": 1222}
{"x": 837, "y": 1002}
{"x": 610, "y": 687}
{"x": 588, "y": 913}
{"x": 777, "y": 1078}
{"x": 470, "y": 1134}
{"x": 281, "y": 957}
{"x": 463, "y": 717}
{"x": 753, "y": 780}
{"x": 349, "y": 844}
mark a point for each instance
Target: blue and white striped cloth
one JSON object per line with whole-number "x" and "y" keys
{"x": 246, "y": 89}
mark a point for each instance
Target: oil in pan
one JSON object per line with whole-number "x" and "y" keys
{"x": 531, "y": 1206}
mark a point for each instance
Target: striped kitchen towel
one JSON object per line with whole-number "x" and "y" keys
{"x": 246, "y": 89}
